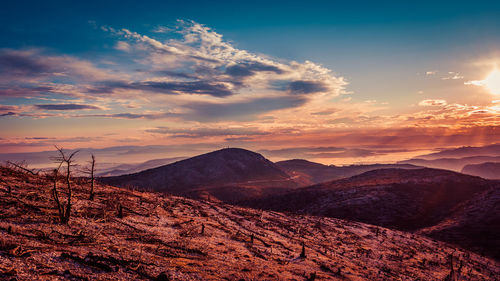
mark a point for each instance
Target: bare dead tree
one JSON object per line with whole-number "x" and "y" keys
{"x": 23, "y": 167}
{"x": 90, "y": 171}
{"x": 55, "y": 194}
{"x": 63, "y": 208}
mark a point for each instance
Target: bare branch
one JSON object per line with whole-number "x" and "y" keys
{"x": 25, "y": 169}
{"x": 90, "y": 170}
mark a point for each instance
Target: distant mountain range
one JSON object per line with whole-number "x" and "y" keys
{"x": 465, "y": 151}
{"x": 454, "y": 164}
{"x": 488, "y": 170}
{"x": 458, "y": 158}
{"x": 308, "y": 173}
{"x": 124, "y": 169}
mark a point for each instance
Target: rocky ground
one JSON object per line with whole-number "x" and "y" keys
{"x": 161, "y": 237}
{"x": 452, "y": 207}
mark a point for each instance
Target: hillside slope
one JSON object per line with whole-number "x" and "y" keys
{"x": 408, "y": 200}
{"x": 163, "y": 237}
{"x": 474, "y": 224}
{"x": 226, "y": 174}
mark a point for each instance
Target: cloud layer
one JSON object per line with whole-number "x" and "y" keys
{"x": 195, "y": 61}
{"x": 186, "y": 84}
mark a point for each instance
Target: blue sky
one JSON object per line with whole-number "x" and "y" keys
{"x": 422, "y": 63}
{"x": 364, "y": 41}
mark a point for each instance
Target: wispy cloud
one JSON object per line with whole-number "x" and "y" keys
{"x": 452, "y": 76}
{"x": 128, "y": 115}
{"x": 23, "y": 65}
{"x": 195, "y": 61}
{"x": 474, "y": 82}
{"x": 122, "y": 46}
{"x": 215, "y": 89}
{"x": 432, "y": 103}
{"x": 10, "y": 113}
{"x": 66, "y": 106}
{"x": 202, "y": 62}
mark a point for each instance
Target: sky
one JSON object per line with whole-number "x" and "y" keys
{"x": 336, "y": 82}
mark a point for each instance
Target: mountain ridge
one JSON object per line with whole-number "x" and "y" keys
{"x": 454, "y": 164}
{"x": 464, "y": 151}
{"x": 487, "y": 170}
{"x": 309, "y": 173}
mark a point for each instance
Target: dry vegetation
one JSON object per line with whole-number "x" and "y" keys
{"x": 160, "y": 237}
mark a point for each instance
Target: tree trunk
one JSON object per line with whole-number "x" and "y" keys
{"x": 67, "y": 213}
{"x": 92, "y": 180}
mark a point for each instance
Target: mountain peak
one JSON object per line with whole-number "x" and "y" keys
{"x": 225, "y": 167}
{"x": 233, "y": 150}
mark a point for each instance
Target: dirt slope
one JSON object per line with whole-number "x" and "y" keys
{"x": 408, "y": 200}
{"x": 160, "y": 237}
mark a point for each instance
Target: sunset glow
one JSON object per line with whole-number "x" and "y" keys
{"x": 493, "y": 82}
{"x": 171, "y": 81}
